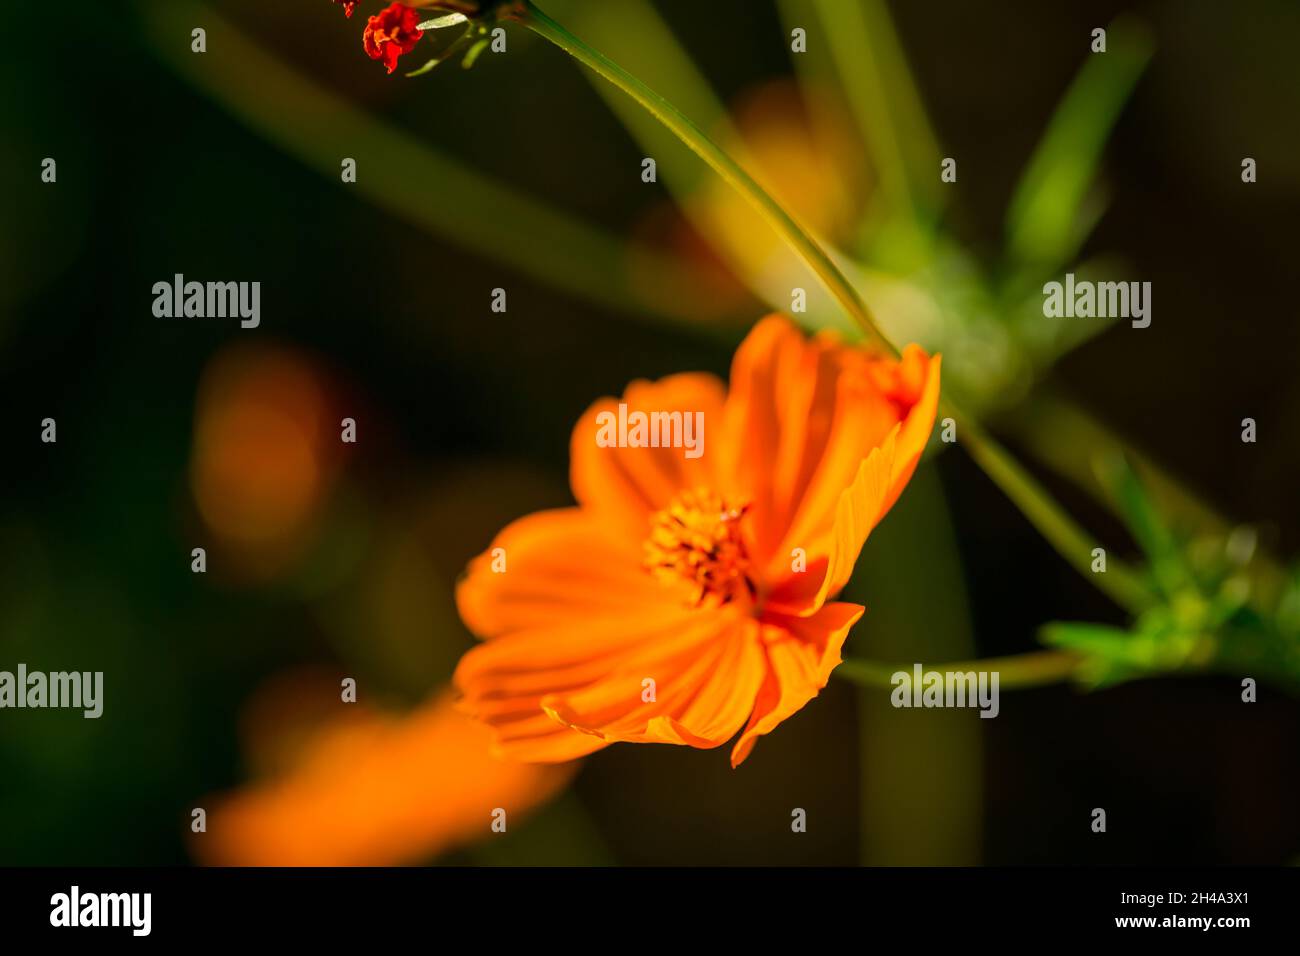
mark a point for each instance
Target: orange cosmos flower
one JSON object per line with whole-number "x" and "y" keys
{"x": 688, "y": 593}
{"x": 367, "y": 789}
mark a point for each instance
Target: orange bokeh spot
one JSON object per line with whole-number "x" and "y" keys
{"x": 261, "y": 457}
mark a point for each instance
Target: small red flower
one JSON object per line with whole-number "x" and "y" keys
{"x": 348, "y": 5}
{"x": 392, "y": 32}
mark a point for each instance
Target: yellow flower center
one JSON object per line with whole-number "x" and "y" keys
{"x": 697, "y": 539}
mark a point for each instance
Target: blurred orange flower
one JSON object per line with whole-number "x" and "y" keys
{"x": 368, "y": 789}
{"x": 686, "y": 597}
{"x": 263, "y": 457}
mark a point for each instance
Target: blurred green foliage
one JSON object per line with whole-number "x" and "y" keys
{"x": 1208, "y": 611}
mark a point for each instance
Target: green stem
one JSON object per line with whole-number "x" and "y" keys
{"x": 1021, "y": 670}
{"x": 698, "y": 142}
{"x": 1047, "y": 516}
{"x": 1119, "y": 582}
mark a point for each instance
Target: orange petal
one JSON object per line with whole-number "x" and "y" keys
{"x": 767, "y": 402}
{"x": 801, "y": 417}
{"x": 801, "y": 653}
{"x": 558, "y": 565}
{"x": 373, "y": 790}
{"x": 923, "y": 374}
{"x": 705, "y": 686}
{"x": 873, "y": 396}
{"x": 859, "y": 508}
{"x": 560, "y": 691}
{"x": 627, "y": 484}
{"x": 861, "y": 420}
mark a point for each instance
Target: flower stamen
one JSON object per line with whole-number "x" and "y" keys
{"x": 697, "y": 539}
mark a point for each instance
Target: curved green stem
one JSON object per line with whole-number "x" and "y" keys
{"x": 698, "y": 142}
{"x": 1038, "y": 506}
{"x": 1034, "y": 669}
{"x": 1119, "y": 582}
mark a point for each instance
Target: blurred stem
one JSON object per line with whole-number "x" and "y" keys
{"x": 416, "y": 182}
{"x": 1119, "y": 582}
{"x": 1038, "y": 506}
{"x": 911, "y": 816}
{"x": 884, "y": 100}
{"x": 1068, "y": 440}
{"x": 1034, "y": 669}
{"x": 698, "y": 142}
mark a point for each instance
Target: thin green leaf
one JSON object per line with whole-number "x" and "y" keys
{"x": 426, "y": 68}
{"x": 473, "y": 53}
{"x": 1169, "y": 565}
{"x": 1049, "y": 218}
{"x": 438, "y": 23}
{"x": 1106, "y": 651}
{"x": 1090, "y": 639}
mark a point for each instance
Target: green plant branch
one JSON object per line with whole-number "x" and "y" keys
{"x": 884, "y": 100}
{"x": 1034, "y": 669}
{"x": 1119, "y": 582}
{"x": 1068, "y": 440}
{"x": 1051, "y": 520}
